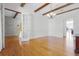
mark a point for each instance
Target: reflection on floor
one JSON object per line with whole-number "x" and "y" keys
{"x": 43, "y": 46}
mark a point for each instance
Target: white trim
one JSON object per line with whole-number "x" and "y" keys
{"x": 39, "y": 36}
{"x": 3, "y": 25}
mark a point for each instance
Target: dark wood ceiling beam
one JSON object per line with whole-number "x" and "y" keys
{"x": 68, "y": 11}
{"x": 22, "y": 4}
{"x": 15, "y": 15}
{"x": 12, "y": 10}
{"x": 44, "y": 5}
{"x": 68, "y": 4}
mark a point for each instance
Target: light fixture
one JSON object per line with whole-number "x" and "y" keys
{"x": 51, "y": 15}
{"x": 48, "y": 15}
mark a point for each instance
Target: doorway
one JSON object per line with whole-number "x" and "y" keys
{"x": 70, "y": 46}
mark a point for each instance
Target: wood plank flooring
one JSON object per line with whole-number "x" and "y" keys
{"x": 43, "y": 46}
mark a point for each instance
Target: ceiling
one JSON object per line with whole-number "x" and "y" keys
{"x": 30, "y": 7}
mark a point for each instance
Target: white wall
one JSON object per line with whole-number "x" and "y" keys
{"x": 11, "y": 28}
{"x": 39, "y": 26}
{"x": 76, "y": 23}
{"x": 44, "y": 26}
{"x": 56, "y": 27}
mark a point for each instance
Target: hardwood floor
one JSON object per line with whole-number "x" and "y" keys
{"x": 43, "y": 46}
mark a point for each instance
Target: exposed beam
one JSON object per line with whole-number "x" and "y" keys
{"x": 68, "y": 4}
{"x": 44, "y": 5}
{"x": 22, "y": 4}
{"x": 15, "y": 15}
{"x": 12, "y": 10}
{"x": 68, "y": 11}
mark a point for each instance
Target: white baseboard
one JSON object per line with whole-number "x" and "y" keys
{"x": 45, "y": 36}
{"x": 38, "y": 36}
